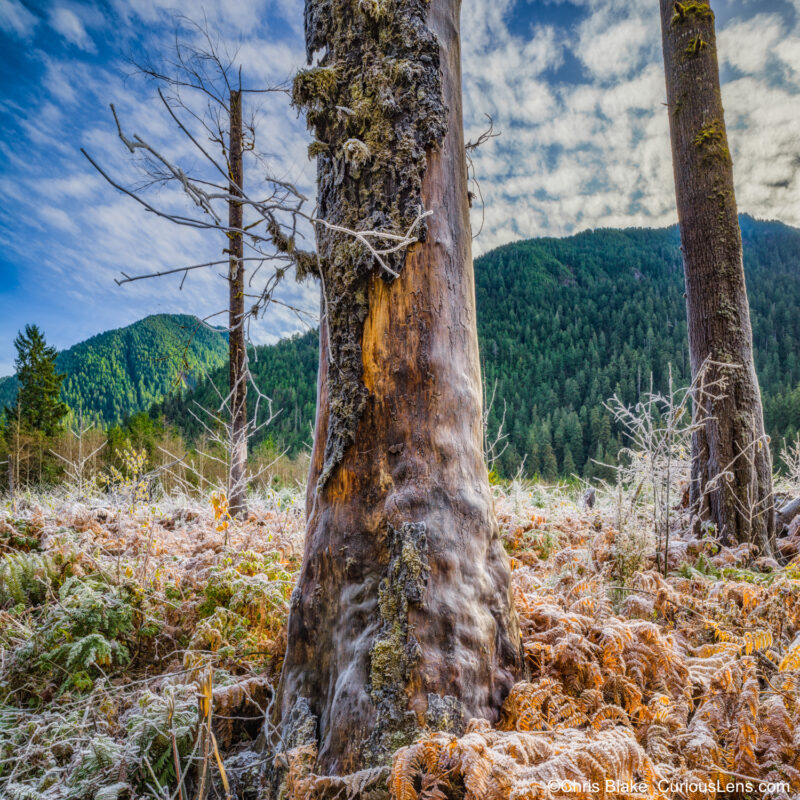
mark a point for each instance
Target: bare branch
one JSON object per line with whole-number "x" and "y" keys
{"x": 131, "y": 278}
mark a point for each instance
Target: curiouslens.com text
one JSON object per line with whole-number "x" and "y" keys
{"x": 680, "y": 787}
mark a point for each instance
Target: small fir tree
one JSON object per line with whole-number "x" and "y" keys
{"x": 38, "y": 399}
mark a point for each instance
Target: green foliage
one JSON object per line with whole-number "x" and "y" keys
{"x": 39, "y": 409}
{"x": 18, "y": 535}
{"x": 64, "y": 629}
{"x": 152, "y": 727}
{"x": 88, "y": 632}
{"x": 630, "y": 553}
{"x": 286, "y": 371}
{"x": 95, "y": 761}
{"x": 563, "y": 325}
{"x": 25, "y": 578}
{"x": 246, "y": 602}
{"x": 127, "y": 477}
{"x": 84, "y": 632}
{"x": 28, "y": 577}
{"x": 226, "y": 634}
{"x": 120, "y": 372}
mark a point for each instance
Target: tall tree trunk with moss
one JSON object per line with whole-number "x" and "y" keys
{"x": 237, "y": 504}
{"x": 402, "y": 618}
{"x": 731, "y": 463}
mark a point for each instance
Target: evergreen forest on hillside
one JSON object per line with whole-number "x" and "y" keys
{"x": 564, "y": 324}
{"x": 120, "y": 372}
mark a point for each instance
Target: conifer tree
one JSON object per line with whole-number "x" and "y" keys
{"x": 549, "y": 463}
{"x": 568, "y": 463}
{"x": 38, "y": 399}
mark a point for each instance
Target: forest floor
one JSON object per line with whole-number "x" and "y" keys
{"x": 126, "y": 630}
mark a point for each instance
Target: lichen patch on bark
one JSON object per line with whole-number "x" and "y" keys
{"x": 300, "y": 727}
{"x": 445, "y": 713}
{"x": 712, "y": 141}
{"x": 374, "y": 104}
{"x": 396, "y": 651}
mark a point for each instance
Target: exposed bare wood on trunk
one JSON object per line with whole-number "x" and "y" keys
{"x": 732, "y": 439}
{"x": 236, "y": 342}
{"x": 787, "y": 512}
{"x": 402, "y": 618}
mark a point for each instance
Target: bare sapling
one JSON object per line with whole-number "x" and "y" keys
{"x": 654, "y": 468}
{"x": 80, "y": 459}
{"x": 223, "y": 438}
{"x": 493, "y": 446}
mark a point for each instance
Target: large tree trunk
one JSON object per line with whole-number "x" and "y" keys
{"x": 731, "y": 463}
{"x": 403, "y": 617}
{"x": 237, "y": 485}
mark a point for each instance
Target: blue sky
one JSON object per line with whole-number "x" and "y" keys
{"x": 575, "y": 87}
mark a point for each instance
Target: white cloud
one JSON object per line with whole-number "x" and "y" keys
{"x": 60, "y": 203}
{"x": 583, "y": 151}
{"x": 226, "y": 17}
{"x": 598, "y": 154}
{"x": 58, "y": 218}
{"x": 748, "y": 44}
{"x": 66, "y": 22}
{"x": 788, "y": 53}
{"x": 615, "y": 51}
{"x": 16, "y": 20}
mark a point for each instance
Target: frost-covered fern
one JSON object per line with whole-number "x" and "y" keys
{"x": 81, "y": 756}
{"x": 25, "y": 578}
{"x": 92, "y": 623}
{"x": 98, "y": 760}
{"x": 246, "y": 605}
{"x": 83, "y": 631}
{"x": 152, "y": 726}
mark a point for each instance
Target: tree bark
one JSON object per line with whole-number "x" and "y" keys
{"x": 403, "y": 618}
{"x": 787, "y": 512}
{"x": 731, "y": 441}
{"x": 237, "y": 504}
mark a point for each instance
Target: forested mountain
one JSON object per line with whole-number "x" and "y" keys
{"x": 566, "y": 323}
{"x": 122, "y": 371}
{"x": 286, "y": 372}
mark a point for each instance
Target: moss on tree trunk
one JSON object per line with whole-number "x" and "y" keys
{"x": 731, "y": 442}
{"x": 402, "y": 618}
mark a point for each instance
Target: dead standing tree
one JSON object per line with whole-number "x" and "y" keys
{"x": 207, "y": 70}
{"x": 202, "y": 69}
{"x": 732, "y": 470}
{"x": 237, "y": 348}
{"x": 402, "y": 618}
{"x": 262, "y": 231}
